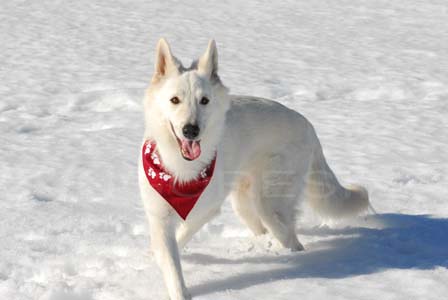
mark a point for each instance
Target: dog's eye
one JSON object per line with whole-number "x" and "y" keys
{"x": 204, "y": 101}
{"x": 175, "y": 100}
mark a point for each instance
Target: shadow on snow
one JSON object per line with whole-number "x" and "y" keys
{"x": 403, "y": 242}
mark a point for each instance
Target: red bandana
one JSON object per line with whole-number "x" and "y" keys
{"x": 181, "y": 196}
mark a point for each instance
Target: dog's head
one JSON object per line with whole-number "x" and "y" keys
{"x": 185, "y": 107}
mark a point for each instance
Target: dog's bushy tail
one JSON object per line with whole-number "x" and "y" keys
{"x": 327, "y": 196}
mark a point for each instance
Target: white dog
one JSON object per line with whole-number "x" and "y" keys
{"x": 201, "y": 145}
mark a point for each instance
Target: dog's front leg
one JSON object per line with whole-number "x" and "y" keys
{"x": 188, "y": 228}
{"x": 166, "y": 252}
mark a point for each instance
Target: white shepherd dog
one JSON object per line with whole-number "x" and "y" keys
{"x": 265, "y": 155}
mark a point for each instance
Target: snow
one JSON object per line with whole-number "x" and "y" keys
{"x": 372, "y": 76}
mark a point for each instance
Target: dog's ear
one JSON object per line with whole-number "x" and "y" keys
{"x": 165, "y": 61}
{"x": 208, "y": 63}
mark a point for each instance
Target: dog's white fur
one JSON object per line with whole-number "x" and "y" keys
{"x": 268, "y": 157}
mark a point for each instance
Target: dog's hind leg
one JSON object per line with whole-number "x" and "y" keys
{"x": 243, "y": 203}
{"x": 280, "y": 225}
{"x": 280, "y": 185}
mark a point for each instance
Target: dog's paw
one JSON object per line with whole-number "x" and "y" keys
{"x": 298, "y": 247}
{"x": 295, "y": 245}
{"x": 184, "y": 296}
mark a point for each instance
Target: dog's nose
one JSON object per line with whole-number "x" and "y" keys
{"x": 190, "y": 131}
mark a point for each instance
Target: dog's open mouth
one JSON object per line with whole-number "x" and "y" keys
{"x": 189, "y": 149}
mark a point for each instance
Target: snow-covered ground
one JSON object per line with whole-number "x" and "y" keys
{"x": 372, "y": 76}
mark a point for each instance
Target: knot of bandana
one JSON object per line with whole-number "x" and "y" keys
{"x": 181, "y": 196}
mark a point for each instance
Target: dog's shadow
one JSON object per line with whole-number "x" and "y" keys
{"x": 405, "y": 242}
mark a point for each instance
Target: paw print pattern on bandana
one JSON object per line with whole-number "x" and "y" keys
{"x": 152, "y": 173}
{"x": 155, "y": 158}
{"x": 164, "y": 176}
{"x": 148, "y": 148}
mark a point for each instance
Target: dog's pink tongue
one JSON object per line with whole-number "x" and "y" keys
{"x": 191, "y": 149}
